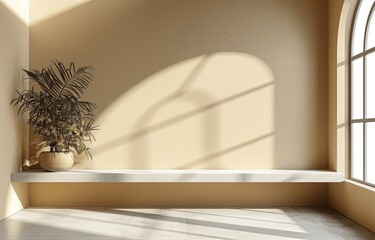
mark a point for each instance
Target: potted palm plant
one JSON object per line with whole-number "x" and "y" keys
{"x": 57, "y": 114}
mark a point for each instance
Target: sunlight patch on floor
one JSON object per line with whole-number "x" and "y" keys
{"x": 113, "y": 223}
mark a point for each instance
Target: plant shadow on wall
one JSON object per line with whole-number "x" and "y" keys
{"x": 189, "y": 84}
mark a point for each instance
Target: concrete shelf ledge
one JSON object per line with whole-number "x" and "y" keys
{"x": 174, "y": 176}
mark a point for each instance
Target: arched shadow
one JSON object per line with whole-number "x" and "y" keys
{"x": 140, "y": 152}
{"x": 128, "y": 42}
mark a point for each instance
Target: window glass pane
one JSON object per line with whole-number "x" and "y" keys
{"x": 357, "y": 89}
{"x": 370, "y": 152}
{"x": 370, "y": 85}
{"x": 357, "y": 151}
{"x": 371, "y": 33}
{"x": 360, "y": 25}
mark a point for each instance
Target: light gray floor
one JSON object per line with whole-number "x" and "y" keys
{"x": 228, "y": 224}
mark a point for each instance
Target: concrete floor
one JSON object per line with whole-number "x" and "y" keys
{"x": 109, "y": 223}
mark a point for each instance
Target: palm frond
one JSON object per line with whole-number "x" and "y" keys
{"x": 56, "y": 112}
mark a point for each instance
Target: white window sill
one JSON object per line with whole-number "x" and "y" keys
{"x": 175, "y": 176}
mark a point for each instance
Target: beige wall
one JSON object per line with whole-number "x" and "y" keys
{"x": 175, "y": 195}
{"x": 352, "y": 199}
{"x": 14, "y": 49}
{"x": 209, "y": 84}
{"x": 196, "y": 84}
{"x": 355, "y": 201}
{"x": 340, "y": 18}
{"x": 335, "y": 7}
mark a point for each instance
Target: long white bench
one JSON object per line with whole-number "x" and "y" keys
{"x": 230, "y": 176}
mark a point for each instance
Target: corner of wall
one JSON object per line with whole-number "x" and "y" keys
{"x": 14, "y": 20}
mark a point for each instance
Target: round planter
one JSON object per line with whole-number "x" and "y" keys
{"x": 56, "y": 161}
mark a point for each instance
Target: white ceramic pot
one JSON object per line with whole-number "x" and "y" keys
{"x": 56, "y": 161}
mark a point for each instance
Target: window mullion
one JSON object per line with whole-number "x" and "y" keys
{"x": 364, "y": 60}
{"x": 367, "y": 27}
{"x": 359, "y": 55}
{"x": 364, "y": 123}
{"x": 365, "y": 53}
{"x": 362, "y": 120}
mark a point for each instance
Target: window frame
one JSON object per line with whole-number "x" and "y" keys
{"x": 364, "y": 120}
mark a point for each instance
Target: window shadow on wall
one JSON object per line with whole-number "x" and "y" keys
{"x": 153, "y": 116}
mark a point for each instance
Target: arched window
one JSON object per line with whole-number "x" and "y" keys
{"x": 362, "y": 94}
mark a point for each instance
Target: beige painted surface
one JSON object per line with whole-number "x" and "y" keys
{"x": 339, "y": 71}
{"x": 151, "y": 195}
{"x": 14, "y": 49}
{"x": 355, "y": 201}
{"x": 335, "y": 7}
{"x": 45, "y": 9}
{"x": 197, "y": 84}
{"x": 352, "y": 199}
